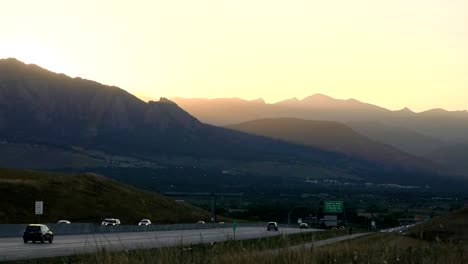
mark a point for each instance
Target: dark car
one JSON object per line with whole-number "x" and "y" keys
{"x": 272, "y": 226}
{"x": 303, "y": 226}
{"x": 36, "y": 232}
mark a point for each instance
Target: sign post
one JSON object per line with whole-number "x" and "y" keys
{"x": 234, "y": 227}
{"x": 39, "y": 209}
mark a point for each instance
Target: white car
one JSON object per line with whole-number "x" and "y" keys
{"x": 201, "y": 222}
{"x": 144, "y": 222}
{"x": 111, "y": 222}
{"x": 64, "y": 222}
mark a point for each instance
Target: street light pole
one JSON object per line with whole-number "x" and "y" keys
{"x": 213, "y": 207}
{"x": 316, "y": 212}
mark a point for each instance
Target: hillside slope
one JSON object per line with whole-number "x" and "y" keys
{"x": 402, "y": 138}
{"x": 452, "y": 156}
{"x": 451, "y": 227}
{"x": 85, "y": 198}
{"x": 330, "y": 136}
{"x": 41, "y": 107}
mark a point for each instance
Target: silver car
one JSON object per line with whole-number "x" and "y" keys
{"x": 110, "y": 222}
{"x": 144, "y": 222}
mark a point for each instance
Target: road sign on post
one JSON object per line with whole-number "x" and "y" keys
{"x": 39, "y": 207}
{"x": 333, "y": 207}
{"x": 234, "y": 227}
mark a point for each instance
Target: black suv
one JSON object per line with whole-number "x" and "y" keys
{"x": 38, "y": 233}
{"x": 272, "y": 226}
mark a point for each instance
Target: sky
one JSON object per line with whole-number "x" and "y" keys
{"x": 393, "y": 53}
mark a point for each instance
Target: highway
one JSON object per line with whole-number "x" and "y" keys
{"x": 65, "y": 245}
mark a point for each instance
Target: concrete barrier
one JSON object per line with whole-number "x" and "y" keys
{"x": 11, "y": 230}
{"x": 15, "y": 230}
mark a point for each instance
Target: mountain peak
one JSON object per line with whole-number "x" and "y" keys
{"x": 405, "y": 110}
{"x": 165, "y": 100}
{"x": 11, "y": 60}
{"x": 16, "y": 62}
{"x": 258, "y": 100}
{"x": 435, "y": 111}
{"x": 353, "y": 100}
{"x": 13, "y": 63}
{"x": 293, "y": 100}
{"x": 18, "y": 67}
{"x": 318, "y": 97}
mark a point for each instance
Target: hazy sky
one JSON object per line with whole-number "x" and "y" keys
{"x": 389, "y": 52}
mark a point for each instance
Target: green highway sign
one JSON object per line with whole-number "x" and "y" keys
{"x": 333, "y": 207}
{"x": 234, "y": 226}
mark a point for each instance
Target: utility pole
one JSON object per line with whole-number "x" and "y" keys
{"x": 213, "y": 207}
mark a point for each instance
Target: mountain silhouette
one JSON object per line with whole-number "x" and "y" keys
{"x": 41, "y": 107}
{"x": 451, "y": 156}
{"x": 432, "y": 127}
{"x": 330, "y": 136}
{"x": 82, "y": 117}
{"x": 402, "y": 138}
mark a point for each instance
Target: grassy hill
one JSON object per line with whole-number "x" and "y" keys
{"x": 451, "y": 227}
{"x": 85, "y": 198}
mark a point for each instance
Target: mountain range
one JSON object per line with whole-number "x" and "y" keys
{"x": 437, "y": 123}
{"x": 426, "y": 134}
{"x": 451, "y": 126}
{"x": 56, "y": 122}
{"x": 41, "y": 107}
{"x": 330, "y": 136}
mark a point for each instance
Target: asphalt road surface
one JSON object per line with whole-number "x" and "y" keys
{"x": 65, "y": 245}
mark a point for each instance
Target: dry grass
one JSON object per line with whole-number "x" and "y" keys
{"x": 85, "y": 198}
{"x": 379, "y": 248}
{"x": 450, "y": 228}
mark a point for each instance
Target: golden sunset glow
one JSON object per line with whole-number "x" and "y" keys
{"x": 392, "y": 53}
